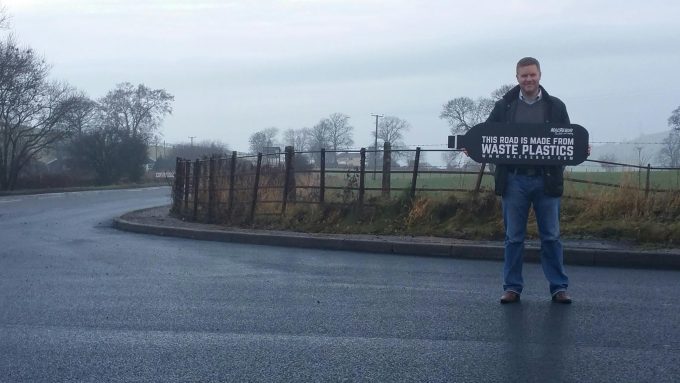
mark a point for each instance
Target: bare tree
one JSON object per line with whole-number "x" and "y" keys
{"x": 32, "y": 110}
{"x": 462, "y": 113}
{"x": 391, "y": 129}
{"x": 609, "y": 157}
{"x": 114, "y": 142}
{"x": 138, "y": 111}
{"x": 4, "y": 18}
{"x": 674, "y": 119}
{"x": 262, "y": 139}
{"x": 319, "y": 138}
{"x": 201, "y": 149}
{"x": 670, "y": 151}
{"x": 297, "y": 138}
{"x": 319, "y": 135}
{"x": 339, "y": 134}
{"x": 340, "y": 131}
{"x": 83, "y": 115}
{"x": 643, "y": 156}
{"x": 79, "y": 120}
{"x": 501, "y": 91}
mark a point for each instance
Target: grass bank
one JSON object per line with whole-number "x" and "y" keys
{"x": 622, "y": 214}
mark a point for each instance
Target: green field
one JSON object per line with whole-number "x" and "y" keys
{"x": 659, "y": 179}
{"x": 622, "y": 211}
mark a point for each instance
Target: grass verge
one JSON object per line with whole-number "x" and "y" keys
{"x": 626, "y": 214}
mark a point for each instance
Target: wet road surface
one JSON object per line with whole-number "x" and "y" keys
{"x": 82, "y": 302}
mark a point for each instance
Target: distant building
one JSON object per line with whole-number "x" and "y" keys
{"x": 349, "y": 159}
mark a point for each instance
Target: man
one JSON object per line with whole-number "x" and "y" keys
{"x": 524, "y": 186}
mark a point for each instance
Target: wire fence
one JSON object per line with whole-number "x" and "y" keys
{"x": 239, "y": 188}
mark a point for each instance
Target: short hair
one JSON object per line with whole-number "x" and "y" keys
{"x": 526, "y": 61}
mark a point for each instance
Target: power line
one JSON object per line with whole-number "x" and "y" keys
{"x": 375, "y": 147}
{"x": 626, "y": 143}
{"x": 591, "y": 142}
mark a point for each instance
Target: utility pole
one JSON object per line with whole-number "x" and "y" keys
{"x": 375, "y": 145}
{"x": 156, "y": 142}
{"x": 192, "y": 140}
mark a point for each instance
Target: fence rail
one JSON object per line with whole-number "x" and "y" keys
{"x": 222, "y": 189}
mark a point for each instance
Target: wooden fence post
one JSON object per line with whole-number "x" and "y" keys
{"x": 211, "y": 189}
{"x": 289, "y": 180}
{"x": 232, "y": 179}
{"x": 649, "y": 169}
{"x": 197, "y": 179}
{"x": 414, "y": 180}
{"x": 322, "y": 177}
{"x": 187, "y": 183}
{"x": 386, "y": 169}
{"x": 362, "y": 176}
{"x": 177, "y": 187}
{"x": 255, "y": 187}
{"x": 478, "y": 184}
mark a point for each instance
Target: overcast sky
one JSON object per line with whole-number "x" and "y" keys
{"x": 238, "y": 66}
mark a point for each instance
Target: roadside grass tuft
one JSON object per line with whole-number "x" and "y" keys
{"x": 624, "y": 213}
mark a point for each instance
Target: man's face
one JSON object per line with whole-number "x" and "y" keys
{"x": 528, "y": 78}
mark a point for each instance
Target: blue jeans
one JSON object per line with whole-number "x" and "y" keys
{"x": 521, "y": 193}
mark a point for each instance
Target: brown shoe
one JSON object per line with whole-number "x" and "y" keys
{"x": 509, "y": 297}
{"x": 561, "y": 297}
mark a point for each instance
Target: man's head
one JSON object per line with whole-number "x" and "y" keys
{"x": 529, "y": 76}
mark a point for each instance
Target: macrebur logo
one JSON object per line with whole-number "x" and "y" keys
{"x": 562, "y": 131}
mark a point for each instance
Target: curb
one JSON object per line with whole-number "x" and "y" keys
{"x": 76, "y": 189}
{"x": 491, "y": 252}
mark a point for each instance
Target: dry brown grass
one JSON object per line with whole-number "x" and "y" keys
{"x": 626, "y": 214}
{"x": 587, "y": 212}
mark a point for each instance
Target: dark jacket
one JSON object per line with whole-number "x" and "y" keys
{"x": 556, "y": 112}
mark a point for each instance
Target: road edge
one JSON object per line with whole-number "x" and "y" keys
{"x": 491, "y": 252}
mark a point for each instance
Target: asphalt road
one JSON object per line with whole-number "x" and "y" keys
{"x": 80, "y": 301}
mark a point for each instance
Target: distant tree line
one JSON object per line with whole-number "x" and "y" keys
{"x": 165, "y": 161}
{"x": 462, "y": 113}
{"x": 670, "y": 150}
{"x": 108, "y": 137}
{"x": 111, "y": 136}
{"x": 333, "y": 133}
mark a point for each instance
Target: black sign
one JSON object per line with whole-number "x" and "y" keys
{"x": 531, "y": 144}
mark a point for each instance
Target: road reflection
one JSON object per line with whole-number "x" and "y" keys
{"x": 536, "y": 336}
